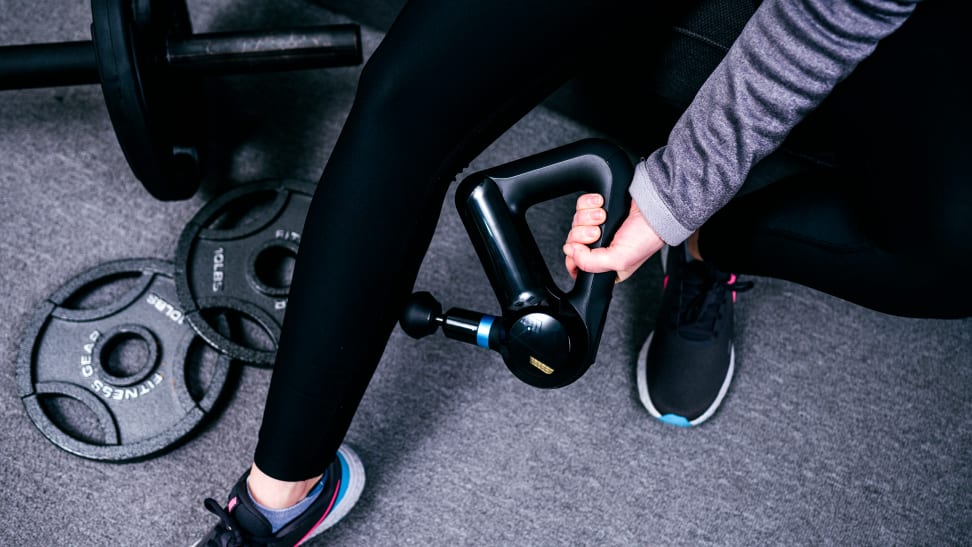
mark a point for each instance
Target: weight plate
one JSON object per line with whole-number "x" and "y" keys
{"x": 126, "y": 360}
{"x": 157, "y": 115}
{"x": 234, "y": 259}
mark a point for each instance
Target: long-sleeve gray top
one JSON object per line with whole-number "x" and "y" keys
{"x": 785, "y": 62}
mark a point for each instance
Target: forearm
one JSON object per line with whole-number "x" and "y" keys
{"x": 786, "y": 61}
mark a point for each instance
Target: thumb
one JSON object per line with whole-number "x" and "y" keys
{"x": 599, "y": 260}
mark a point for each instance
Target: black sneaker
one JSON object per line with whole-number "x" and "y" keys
{"x": 241, "y": 523}
{"x": 686, "y": 364}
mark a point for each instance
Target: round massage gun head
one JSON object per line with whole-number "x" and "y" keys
{"x": 422, "y": 315}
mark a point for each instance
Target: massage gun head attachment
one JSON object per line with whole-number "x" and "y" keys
{"x": 535, "y": 344}
{"x": 423, "y": 316}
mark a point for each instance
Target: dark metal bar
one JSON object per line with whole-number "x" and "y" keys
{"x": 48, "y": 65}
{"x": 75, "y": 63}
{"x": 264, "y": 51}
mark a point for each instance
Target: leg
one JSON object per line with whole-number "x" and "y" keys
{"x": 892, "y": 230}
{"x": 447, "y": 80}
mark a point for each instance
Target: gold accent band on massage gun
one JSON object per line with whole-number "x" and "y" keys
{"x": 540, "y": 365}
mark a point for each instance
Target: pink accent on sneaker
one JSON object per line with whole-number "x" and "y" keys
{"x": 733, "y": 297}
{"x": 732, "y": 279}
{"x": 232, "y": 503}
{"x": 337, "y": 489}
{"x": 665, "y": 283}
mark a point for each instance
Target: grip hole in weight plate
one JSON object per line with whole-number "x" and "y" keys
{"x": 274, "y": 267}
{"x": 125, "y": 355}
{"x": 201, "y": 363}
{"x": 242, "y": 211}
{"x": 101, "y": 292}
{"x": 72, "y": 417}
{"x": 240, "y": 327}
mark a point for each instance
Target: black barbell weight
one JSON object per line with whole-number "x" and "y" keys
{"x": 149, "y": 64}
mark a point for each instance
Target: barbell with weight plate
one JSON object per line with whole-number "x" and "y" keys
{"x": 149, "y": 64}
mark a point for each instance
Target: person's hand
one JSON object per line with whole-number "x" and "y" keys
{"x": 633, "y": 243}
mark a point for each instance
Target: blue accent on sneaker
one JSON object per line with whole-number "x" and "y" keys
{"x": 345, "y": 479}
{"x": 676, "y": 420}
{"x": 482, "y": 333}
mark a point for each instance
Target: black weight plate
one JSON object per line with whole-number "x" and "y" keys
{"x": 156, "y": 114}
{"x": 230, "y": 258}
{"x": 140, "y": 408}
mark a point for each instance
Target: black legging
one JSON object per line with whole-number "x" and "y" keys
{"x": 448, "y": 79}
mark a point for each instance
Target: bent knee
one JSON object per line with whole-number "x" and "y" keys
{"x": 401, "y": 86}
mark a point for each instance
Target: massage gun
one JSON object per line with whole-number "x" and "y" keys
{"x": 546, "y": 337}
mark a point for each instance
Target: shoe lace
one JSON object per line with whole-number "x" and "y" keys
{"x": 702, "y": 302}
{"x": 228, "y": 531}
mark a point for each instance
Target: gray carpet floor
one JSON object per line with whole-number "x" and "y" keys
{"x": 842, "y": 426}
